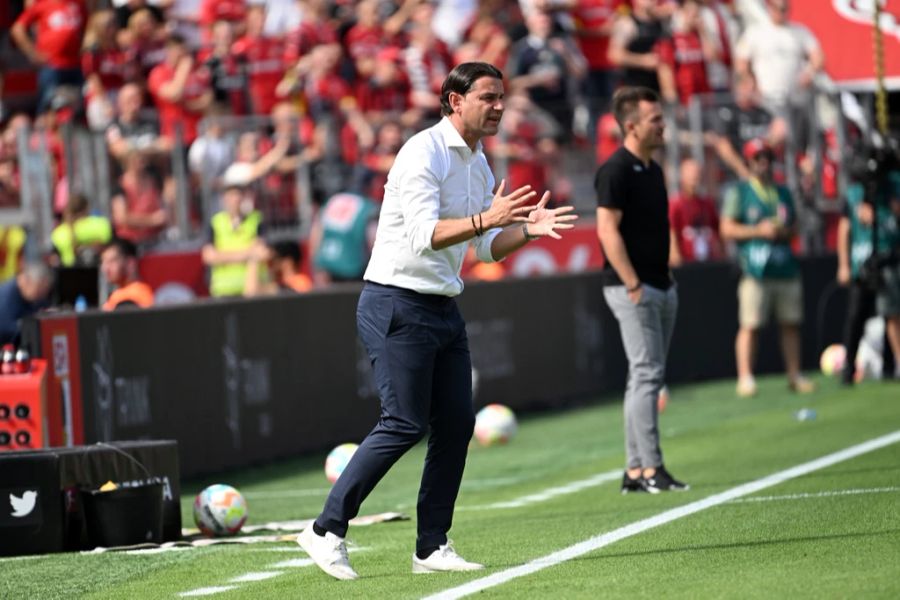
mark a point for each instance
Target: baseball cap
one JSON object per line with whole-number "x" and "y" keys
{"x": 754, "y": 147}
{"x": 239, "y": 174}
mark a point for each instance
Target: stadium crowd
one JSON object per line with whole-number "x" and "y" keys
{"x": 238, "y": 103}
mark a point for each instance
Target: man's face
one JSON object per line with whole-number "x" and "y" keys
{"x": 761, "y": 164}
{"x": 232, "y": 199}
{"x": 33, "y": 290}
{"x": 690, "y": 176}
{"x": 648, "y": 126}
{"x": 778, "y": 10}
{"x": 113, "y": 266}
{"x": 129, "y": 100}
{"x": 481, "y": 108}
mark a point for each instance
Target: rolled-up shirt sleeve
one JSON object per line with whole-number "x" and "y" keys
{"x": 420, "y": 203}
{"x": 483, "y": 243}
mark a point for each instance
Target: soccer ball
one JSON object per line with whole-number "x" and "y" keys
{"x": 337, "y": 461}
{"x": 220, "y": 510}
{"x": 495, "y": 424}
{"x": 833, "y": 359}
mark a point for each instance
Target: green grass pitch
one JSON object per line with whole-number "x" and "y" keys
{"x": 831, "y": 533}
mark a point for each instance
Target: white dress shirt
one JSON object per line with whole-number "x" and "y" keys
{"x": 435, "y": 176}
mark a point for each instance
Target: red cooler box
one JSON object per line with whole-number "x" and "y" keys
{"x": 23, "y": 408}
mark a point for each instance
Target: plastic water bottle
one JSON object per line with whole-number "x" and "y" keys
{"x": 805, "y": 414}
{"x": 80, "y": 303}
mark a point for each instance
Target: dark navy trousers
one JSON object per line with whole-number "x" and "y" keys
{"x": 420, "y": 358}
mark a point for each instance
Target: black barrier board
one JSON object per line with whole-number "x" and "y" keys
{"x": 243, "y": 382}
{"x": 31, "y": 516}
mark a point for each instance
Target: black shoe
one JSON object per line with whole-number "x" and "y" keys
{"x": 631, "y": 485}
{"x": 661, "y": 481}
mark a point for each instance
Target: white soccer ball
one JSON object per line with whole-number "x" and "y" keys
{"x": 495, "y": 424}
{"x": 337, "y": 460}
{"x": 220, "y": 510}
{"x": 832, "y": 360}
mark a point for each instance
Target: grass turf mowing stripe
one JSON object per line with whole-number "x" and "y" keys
{"x": 828, "y": 494}
{"x": 605, "y": 539}
{"x": 569, "y": 488}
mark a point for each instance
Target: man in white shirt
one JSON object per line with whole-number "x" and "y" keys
{"x": 784, "y": 57}
{"x": 437, "y": 199}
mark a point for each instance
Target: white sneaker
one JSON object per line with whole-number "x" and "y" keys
{"x": 444, "y": 558}
{"x": 328, "y": 552}
{"x": 746, "y": 387}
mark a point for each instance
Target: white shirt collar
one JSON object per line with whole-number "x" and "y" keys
{"x": 452, "y": 138}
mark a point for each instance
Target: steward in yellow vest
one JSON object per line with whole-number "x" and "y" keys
{"x": 233, "y": 240}
{"x": 80, "y": 236}
{"x": 12, "y": 240}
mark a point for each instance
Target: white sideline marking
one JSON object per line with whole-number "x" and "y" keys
{"x": 850, "y": 492}
{"x": 208, "y": 591}
{"x": 255, "y": 576}
{"x": 569, "y": 488}
{"x": 668, "y": 516}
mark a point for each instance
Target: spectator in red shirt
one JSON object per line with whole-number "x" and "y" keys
{"x": 330, "y": 101}
{"x": 684, "y": 55}
{"x": 314, "y": 30}
{"x": 526, "y": 145}
{"x": 56, "y": 47}
{"x": 106, "y": 68}
{"x": 263, "y": 59}
{"x": 485, "y": 39}
{"x": 594, "y": 21}
{"x": 385, "y": 94}
{"x": 609, "y": 137}
{"x": 365, "y": 38}
{"x": 427, "y": 61}
{"x": 139, "y": 214}
{"x": 180, "y": 90}
{"x": 233, "y": 11}
{"x": 371, "y": 174}
{"x": 694, "y": 220}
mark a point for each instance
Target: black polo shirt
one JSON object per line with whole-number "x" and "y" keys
{"x": 624, "y": 183}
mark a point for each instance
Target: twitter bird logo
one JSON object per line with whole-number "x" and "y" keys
{"x": 23, "y": 506}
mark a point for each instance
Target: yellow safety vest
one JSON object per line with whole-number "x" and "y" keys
{"x": 12, "y": 240}
{"x": 88, "y": 230}
{"x": 229, "y": 279}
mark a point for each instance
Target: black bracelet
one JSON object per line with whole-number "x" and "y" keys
{"x": 474, "y": 226}
{"x": 636, "y": 287}
{"x": 528, "y": 236}
{"x": 480, "y": 224}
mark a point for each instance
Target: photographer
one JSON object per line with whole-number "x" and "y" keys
{"x": 871, "y": 267}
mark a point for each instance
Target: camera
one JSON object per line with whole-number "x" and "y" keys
{"x": 871, "y": 167}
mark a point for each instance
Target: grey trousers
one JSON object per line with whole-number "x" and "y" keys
{"x": 646, "y": 329}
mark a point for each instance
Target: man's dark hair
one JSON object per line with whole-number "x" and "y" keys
{"x": 125, "y": 247}
{"x": 625, "y": 103}
{"x": 175, "y": 39}
{"x": 462, "y": 78}
{"x": 288, "y": 249}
